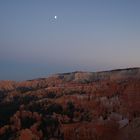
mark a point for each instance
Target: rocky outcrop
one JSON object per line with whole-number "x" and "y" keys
{"x": 71, "y": 106}
{"x": 7, "y": 86}
{"x": 84, "y": 77}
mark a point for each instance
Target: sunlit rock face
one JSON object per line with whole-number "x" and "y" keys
{"x": 70, "y": 106}
{"x": 7, "y": 85}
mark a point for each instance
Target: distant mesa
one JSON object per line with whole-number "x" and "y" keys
{"x": 79, "y": 76}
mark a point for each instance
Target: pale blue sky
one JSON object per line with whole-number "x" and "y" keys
{"x": 88, "y": 35}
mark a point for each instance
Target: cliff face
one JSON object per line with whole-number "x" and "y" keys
{"x": 71, "y": 106}
{"x": 95, "y": 76}
{"x": 7, "y": 85}
{"x": 76, "y": 77}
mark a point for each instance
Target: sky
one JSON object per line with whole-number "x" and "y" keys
{"x": 87, "y": 35}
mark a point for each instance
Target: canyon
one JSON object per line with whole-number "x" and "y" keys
{"x": 72, "y": 106}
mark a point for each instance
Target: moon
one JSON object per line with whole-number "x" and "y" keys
{"x": 55, "y": 17}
